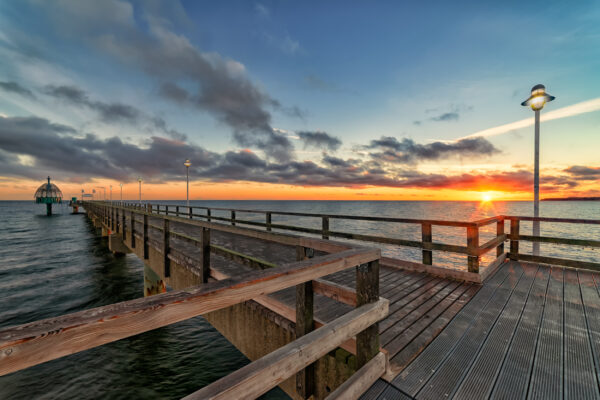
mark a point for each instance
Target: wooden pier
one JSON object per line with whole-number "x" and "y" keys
{"x": 515, "y": 327}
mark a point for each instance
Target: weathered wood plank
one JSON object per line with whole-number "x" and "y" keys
{"x": 546, "y": 377}
{"x": 367, "y": 291}
{"x": 37, "y": 342}
{"x": 559, "y": 261}
{"x": 361, "y": 380}
{"x": 267, "y": 372}
{"x": 513, "y": 379}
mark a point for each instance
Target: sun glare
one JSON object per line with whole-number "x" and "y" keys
{"x": 486, "y": 197}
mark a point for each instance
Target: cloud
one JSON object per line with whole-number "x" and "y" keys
{"x": 111, "y": 113}
{"x": 55, "y": 147}
{"x": 582, "y": 173}
{"x": 319, "y": 140}
{"x": 81, "y": 157}
{"x": 189, "y": 76}
{"x": 449, "y": 116}
{"x": 564, "y": 112}
{"x": 14, "y": 87}
{"x": 315, "y": 82}
{"x": 262, "y": 10}
{"x": 407, "y": 151}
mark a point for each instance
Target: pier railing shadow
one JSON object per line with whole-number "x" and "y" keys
{"x": 40, "y": 341}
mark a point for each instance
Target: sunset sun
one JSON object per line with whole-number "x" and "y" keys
{"x": 486, "y": 197}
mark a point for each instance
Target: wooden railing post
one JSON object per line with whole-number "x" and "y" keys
{"x": 473, "y": 248}
{"x": 500, "y": 232}
{"x": 232, "y": 217}
{"x": 325, "y": 227}
{"x": 123, "y": 228}
{"x": 268, "y": 222}
{"x": 190, "y": 212}
{"x": 167, "y": 210}
{"x": 132, "y": 230}
{"x": 367, "y": 291}
{"x": 149, "y": 208}
{"x": 146, "y": 237}
{"x": 177, "y": 211}
{"x": 117, "y": 220}
{"x": 426, "y": 238}
{"x": 514, "y": 239}
{"x": 166, "y": 247}
{"x": 208, "y": 214}
{"x": 205, "y": 255}
{"x": 305, "y": 379}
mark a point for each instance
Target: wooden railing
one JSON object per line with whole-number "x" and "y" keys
{"x": 474, "y": 250}
{"x": 37, "y": 342}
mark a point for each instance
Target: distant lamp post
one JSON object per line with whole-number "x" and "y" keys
{"x": 140, "y": 181}
{"x": 120, "y": 184}
{"x": 110, "y": 194}
{"x": 536, "y": 101}
{"x": 187, "y": 164}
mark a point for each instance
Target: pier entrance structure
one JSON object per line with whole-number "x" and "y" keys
{"x": 305, "y": 309}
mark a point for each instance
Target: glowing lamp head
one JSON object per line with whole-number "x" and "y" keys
{"x": 187, "y": 163}
{"x": 538, "y": 98}
{"x": 140, "y": 180}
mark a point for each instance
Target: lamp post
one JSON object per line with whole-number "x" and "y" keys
{"x": 187, "y": 164}
{"x": 140, "y": 181}
{"x": 536, "y": 101}
{"x": 120, "y": 184}
{"x": 110, "y": 194}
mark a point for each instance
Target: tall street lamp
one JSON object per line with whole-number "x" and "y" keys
{"x": 140, "y": 181}
{"x": 120, "y": 184}
{"x": 187, "y": 164}
{"x": 536, "y": 101}
{"x": 110, "y": 194}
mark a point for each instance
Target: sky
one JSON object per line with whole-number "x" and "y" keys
{"x": 298, "y": 100}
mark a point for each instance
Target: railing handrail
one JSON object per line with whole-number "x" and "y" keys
{"x": 21, "y": 346}
{"x": 474, "y": 250}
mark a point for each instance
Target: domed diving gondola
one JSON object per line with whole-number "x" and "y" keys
{"x": 48, "y": 194}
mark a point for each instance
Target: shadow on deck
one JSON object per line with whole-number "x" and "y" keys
{"x": 530, "y": 332}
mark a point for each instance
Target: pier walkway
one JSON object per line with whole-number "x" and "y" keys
{"x": 532, "y": 331}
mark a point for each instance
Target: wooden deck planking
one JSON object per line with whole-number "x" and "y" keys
{"x": 579, "y": 377}
{"x": 415, "y": 343}
{"x": 417, "y": 373}
{"x": 533, "y": 335}
{"x": 513, "y": 378}
{"x": 591, "y": 302}
{"x": 479, "y": 380}
{"x": 546, "y": 380}
{"x": 447, "y": 377}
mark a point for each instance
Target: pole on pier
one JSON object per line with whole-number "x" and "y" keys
{"x": 232, "y": 217}
{"x": 325, "y": 227}
{"x": 367, "y": 291}
{"x": 514, "y": 239}
{"x": 500, "y": 232}
{"x": 426, "y": 238}
{"x": 268, "y": 222}
{"x": 205, "y": 254}
{"x": 536, "y": 184}
{"x": 305, "y": 379}
{"x": 473, "y": 248}
{"x": 132, "y": 230}
{"x": 166, "y": 246}
{"x": 146, "y": 236}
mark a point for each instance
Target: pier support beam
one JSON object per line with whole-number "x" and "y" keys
{"x": 116, "y": 245}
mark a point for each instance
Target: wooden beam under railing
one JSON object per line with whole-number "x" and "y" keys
{"x": 267, "y": 372}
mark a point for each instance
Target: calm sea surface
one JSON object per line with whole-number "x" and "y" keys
{"x": 52, "y": 266}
